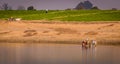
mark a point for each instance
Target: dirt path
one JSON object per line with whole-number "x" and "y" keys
{"x": 59, "y": 32}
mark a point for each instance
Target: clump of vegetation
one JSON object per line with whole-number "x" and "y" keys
{"x": 63, "y": 15}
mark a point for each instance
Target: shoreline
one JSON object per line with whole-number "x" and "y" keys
{"x": 59, "y": 42}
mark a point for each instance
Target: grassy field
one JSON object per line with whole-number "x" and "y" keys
{"x": 64, "y": 15}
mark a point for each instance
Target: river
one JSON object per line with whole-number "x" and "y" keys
{"x": 30, "y": 53}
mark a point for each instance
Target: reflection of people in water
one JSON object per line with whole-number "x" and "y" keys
{"x": 89, "y": 51}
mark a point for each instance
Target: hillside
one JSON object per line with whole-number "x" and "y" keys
{"x": 64, "y": 15}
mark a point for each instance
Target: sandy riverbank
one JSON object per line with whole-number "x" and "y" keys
{"x": 58, "y": 32}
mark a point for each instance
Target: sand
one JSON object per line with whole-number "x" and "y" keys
{"x": 38, "y": 31}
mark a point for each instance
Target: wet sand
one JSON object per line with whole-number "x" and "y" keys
{"x": 59, "y": 32}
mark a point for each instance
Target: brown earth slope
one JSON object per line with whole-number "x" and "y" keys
{"x": 57, "y": 32}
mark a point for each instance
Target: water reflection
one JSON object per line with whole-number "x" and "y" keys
{"x": 88, "y": 55}
{"x": 57, "y": 54}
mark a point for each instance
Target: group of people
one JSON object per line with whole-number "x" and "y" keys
{"x": 14, "y": 19}
{"x": 11, "y": 19}
{"x": 88, "y": 44}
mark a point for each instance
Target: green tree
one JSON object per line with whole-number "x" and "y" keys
{"x": 30, "y": 8}
{"x": 5, "y": 6}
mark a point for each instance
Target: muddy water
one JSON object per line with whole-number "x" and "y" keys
{"x": 57, "y": 54}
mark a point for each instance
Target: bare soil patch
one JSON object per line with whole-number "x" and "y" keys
{"x": 91, "y": 33}
{"x": 30, "y": 33}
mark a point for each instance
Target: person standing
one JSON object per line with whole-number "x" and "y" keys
{"x": 94, "y": 43}
{"x": 46, "y": 11}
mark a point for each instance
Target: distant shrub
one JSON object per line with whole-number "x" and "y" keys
{"x": 114, "y": 8}
{"x": 31, "y": 8}
{"x": 95, "y": 8}
{"x": 68, "y": 9}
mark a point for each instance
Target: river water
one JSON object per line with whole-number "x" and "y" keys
{"x": 28, "y": 53}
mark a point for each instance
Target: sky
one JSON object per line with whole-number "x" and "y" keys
{"x": 60, "y": 4}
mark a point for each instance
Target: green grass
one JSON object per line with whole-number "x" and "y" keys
{"x": 64, "y": 15}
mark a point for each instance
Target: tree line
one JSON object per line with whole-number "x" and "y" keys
{"x": 6, "y": 6}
